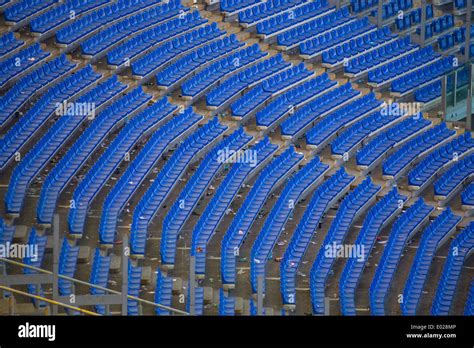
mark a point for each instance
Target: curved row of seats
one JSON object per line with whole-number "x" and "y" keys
{"x": 275, "y": 111}
{"x": 296, "y": 188}
{"x": 43, "y": 77}
{"x": 334, "y": 21}
{"x": 413, "y": 150}
{"x": 467, "y": 197}
{"x": 21, "y": 62}
{"x": 286, "y": 20}
{"x": 215, "y": 51}
{"x": 352, "y": 114}
{"x": 134, "y": 283}
{"x": 83, "y": 148}
{"x": 370, "y": 154}
{"x": 378, "y": 216}
{"x": 237, "y": 83}
{"x": 368, "y": 61}
{"x": 226, "y": 304}
{"x": 334, "y": 54}
{"x": 469, "y": 310}
{"x": 167, "y": 179}
{"x": 231, "y": 6}
{"x": 22, "y": 131}
{"x": 113, "y": 156}
{"x": 54, "y": 139}
{"x": 454, "y": 177}
{"x": 24, "y": 10}
{"x": 349, "y": 139}
{"x": 195, "y": 188}
{"x": 6, "y": 232}
{"x": 63, "y": 14}
{"x": 443, "y": 157}
{"x": 225, "y": 194}
{"x": 406, "y": 226}
{"x": 82, "y": 28}
{"x": 351, "y": 207}
{"x": 267, "y": 181}
{"x": 67, "y": 266}
{"x": 460, "y": 248}
{"x": 137, "y": 45}
{"x": 433, "y": 237}
{"x": 101, "y": 42}
{"x": 324, "y": 197}
{"x": 267, "y": 9}
{"x": 304, "y": 117}
{"x": 100, "y": 276}
{"x": 163, "y": 292}
{"x": 139, "y": 168}
{"x": 204, "y": 79}
{"x": 272, "y": 86}
{"x": 9, "y": 43}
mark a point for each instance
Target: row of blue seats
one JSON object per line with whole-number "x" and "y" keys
{"x": 413, "y": 149}
{"x": 457, "y": 37}
{"x": 323, "y": 199}
{"x": 315, "y": 109}
{"x": 83, "y": 148}
{"x": 393, "y": 8}
{"x": 107, "y": 38}
{"x": 227, "y": 65}
{"x": 351, "y": 207}
{"x": 9, "y": 43}
{"x": 198, "y": 301}
{"x": 432, "y": 91}
{"x": 320, "y": 25}
{"x": 413, "y": 18}
{"x": 355, "y": 134}
{"x": 353, "y": 47}
{"x": 431, "y": 239}
{"x": 29, "y": 85}
{"x": 196, "y": 59}
{"x": 225, "y": 194}
{"x": 95, "y": 179}
{"x": 290, "y": 19}
{"x": 402, "y": 230}
{"x": 195, "y": 188}
{"x": 139, "y": 44}
{"x": 454, "y": 176}
{"x": 442, "y": 157}
{"x": 268, "y": 88}
{"x": 330, "y": 125}
{"x": 52, "y": 141}
{"x": 134, "y": 283}
{"x": 67, "y": 266}
{"x": 46, "y": 106}
{"x": 467, "y": 196}
{"x": 376, "y": 218}
{"x": 380, "y": 55}
{"x": 392, "y": 137}
{"x": 287, "y": 102}
{"x": 163, "y": 292}
{"x": 267, "y": 181}
{"x": 239, "y": 82}
{"x": 25, "y": 9}
{"x": 438, "y": 26}
{"x": 39, "y": 242}
{"x": 137, "y": 171}
{"x": 226, "y": 304}
{"x": 460, "y": 248}
{"x": 81, "y": 28}
{"x": 100, "y": 276}
{"x": 167, "y": 178}
{"x": 20, "y": 62}
{"x": 359, "y": 6}
{"x": 403, "y": 65}
{"x": 469, "y": 310}
{"x": 303, "y": 180}
{"x": 231, "y": 6}
{"x": 267, "y": 9}
{"x": 61, "y": 14}
{"x": 6, "y": 232}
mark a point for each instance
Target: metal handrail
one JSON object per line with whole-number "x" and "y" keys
{"x": 171, "y": 309}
